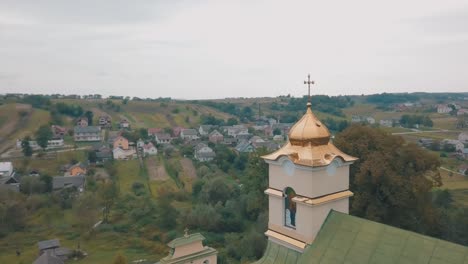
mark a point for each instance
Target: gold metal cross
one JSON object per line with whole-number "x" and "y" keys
{"x": 309, "y": 82}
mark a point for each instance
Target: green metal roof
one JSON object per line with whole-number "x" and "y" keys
{"x": 277, "y": 254}
{"x": 186, "y": 240}
{"x": 348, "y": 239}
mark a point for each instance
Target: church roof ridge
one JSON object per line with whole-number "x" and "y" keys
{"x": 180, "y": 241}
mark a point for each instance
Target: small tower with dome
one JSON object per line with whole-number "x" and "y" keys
{"x": 308, "y": 177}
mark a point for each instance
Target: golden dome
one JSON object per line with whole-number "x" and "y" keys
{"x": 309, "y": 130}
{"x": 309, "y": 144}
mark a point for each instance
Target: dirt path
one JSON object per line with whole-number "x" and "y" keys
{"x": 188, "y": 168}
{"x": 156, "y": 171}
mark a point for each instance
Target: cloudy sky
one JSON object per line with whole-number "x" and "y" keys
{"x": 246, "y": 48}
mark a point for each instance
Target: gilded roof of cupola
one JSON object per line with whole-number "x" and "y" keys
{"x": 309, "y": 130}
{"x": 309, "y": 144}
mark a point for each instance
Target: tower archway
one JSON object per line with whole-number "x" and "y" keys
{"x": 290, "y": 208}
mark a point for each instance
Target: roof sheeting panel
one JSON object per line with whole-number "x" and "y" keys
{"x": 348, "y": 239}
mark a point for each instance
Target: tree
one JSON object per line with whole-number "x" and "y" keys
{"x": 92, "y": 156}
{"x": 277, "y": 131}
{"x": 108, "y": 193}
{"x": 120, "y": 259}
{"x": 167, "y": 214}
{"x": 232, "y": 121}
{"x": 89, "y": 115}
{"x": 392, "y": 180}
{"x": 43, "y": 135}
{"x": 26, "y": 148}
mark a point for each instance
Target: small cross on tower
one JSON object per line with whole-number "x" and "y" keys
{"x": 309, "y": 82}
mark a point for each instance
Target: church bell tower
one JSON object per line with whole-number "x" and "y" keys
{"x": 308, "y": 177}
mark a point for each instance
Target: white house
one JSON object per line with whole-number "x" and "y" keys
{"x": 162, "y": 138}
{"x": 386, "y": 122}
{"x": 204, "y": 153}
{"x": 443, "y": 109}
{"x": 53, "y": 143}
{"x": 204, "y": 129}
{"x": 149, "y": 149}
{"x": 140, "y": 143}
{"x": 463, "y": 137}
{"x": 189, "y": 134}
{"x": 233, "y": 131}
{"x": 6, "y": 169}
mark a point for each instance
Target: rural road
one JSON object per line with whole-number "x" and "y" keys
{"x": 425, "y": 131}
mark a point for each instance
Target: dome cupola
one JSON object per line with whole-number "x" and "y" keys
{"x": 309, "y": 131}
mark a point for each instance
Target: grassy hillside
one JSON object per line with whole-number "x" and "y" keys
{"x": 148, "y": 114}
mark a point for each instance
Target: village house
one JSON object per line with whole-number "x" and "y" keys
{"x": 6, "y": 169}
{"x": 58, "y": 132}
{"x": 120, "y": 154}
{"x": 149, "y": 149}
{"x": 64, "y": 182}
{"x": 189, "y": 134}
{"x": 76, "y": 169}
{"x": 463, "y": 169}
{"x": 283, "y": 127}
{"x": 386, "y": 122}
{"x": 124, "y": 123}
{"x": 233, "y": 131}
{"x": 464, "y": 152}
{"x": 88, "y": 133}
{"x": 50, "y": 250}
{"x": 103, "y": 153}
{"x": 463, "y": 137}
{"x": 443, "y": 109}
{"x": 105, "y": 121}
{"x": 162, "y": 138}
{"x": 229, "y": 141}
{"x": 140, "y": 143}
{"x": 204, "y": 129}
{"x": 462, "y": 111}
{"x": 7, "y": 176}
{"x": 152, "y": 131}
{"x": 458, "y": 145}
{"x": 278, "y": 138}
{"x": 215, "y": 137}
{"x": 362, "y": 119}
{"x": 120, "y": 142}
{"x": 52, "y": 143}
{"x": 245, "y": 147}
{"x": 82, "y": 122}
{"x": 176, "y": 131}
{"x": 204, "y": 153}
{"x": 243, "y": 136}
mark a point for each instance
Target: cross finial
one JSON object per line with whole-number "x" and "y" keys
{"x": 186, "y": 232}
{"x": 309, "y": 82}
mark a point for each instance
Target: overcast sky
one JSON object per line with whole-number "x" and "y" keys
{"x": 214, "y": 49}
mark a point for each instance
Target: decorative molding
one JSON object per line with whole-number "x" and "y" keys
{"x": 286, "y": 241}
{"x": 322, "y": 199}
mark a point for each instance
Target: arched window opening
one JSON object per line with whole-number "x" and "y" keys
{"x": 206, "y": 262}
{"x": 289, "y": 208}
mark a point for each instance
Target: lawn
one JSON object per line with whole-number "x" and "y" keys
{"x": 128, "y": 172}
{"x": 50, "y": 166}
